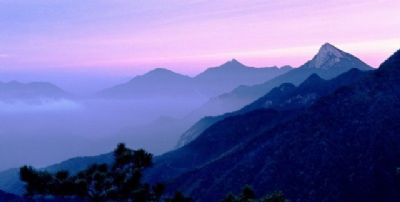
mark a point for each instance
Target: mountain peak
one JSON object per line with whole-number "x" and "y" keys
{"x": 233, "y": 64}
{"x": 328, "y": 54}
{"x": 328, "y": 46}
{"x": 330, "y": 57}
{"x": 234, "y": 61}
{"x": 312, "y": 80}
{"x": 159, "y": 71}
{"x": 314, "y": 77}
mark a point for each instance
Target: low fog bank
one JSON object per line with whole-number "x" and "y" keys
{"x": 44, "y": 132}
{"x": 41, "y": 105}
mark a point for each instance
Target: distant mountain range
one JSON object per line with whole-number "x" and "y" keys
{"x": 321, "y": 138}
{"x": 158, "y": 82}
{"x": 213, "y": 81}
{"x": 328, "y": 63}
{"x": 14, "y": 91}
{"x": 227, "y": 131}
{"x": 343, "y": 147}
{"x": 217, "y": 80}
{"x": 285, "y": 97}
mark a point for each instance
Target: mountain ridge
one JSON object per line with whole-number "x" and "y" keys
{"x": 212, "y": 81}
{"x": 245, "y": 94}
{"x": 15, "y": 90}
{"x": 344, "y": 147}
{"x": 283, "y": 103}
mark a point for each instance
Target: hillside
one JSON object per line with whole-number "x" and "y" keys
{"x": 284, "y": 97}
{"x": 214, "y": 81}
{"x": 18, "y": 91}
{"x": 345, "y": 147}
{"x": 328, "y": 63}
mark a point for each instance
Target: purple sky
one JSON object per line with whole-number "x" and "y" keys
{"x": 124, "y": 37}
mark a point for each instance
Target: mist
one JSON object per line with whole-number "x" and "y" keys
{"x": 65, "y": 116}
{"x": 41, "y": 132}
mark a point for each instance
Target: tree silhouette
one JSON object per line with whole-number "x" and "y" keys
{"x": 179, "y": 197}
{"x": 248, "y": 195}
{"x": 121, "y": 181}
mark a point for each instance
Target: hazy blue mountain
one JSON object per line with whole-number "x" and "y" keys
{"x": 232, "y": 129}
{"x": 216, "y": 80}
{"x": 156, "y": 83}
{"x": 213, "y": 81}
{"x": 158, "y": 136}
{"x": 344, "y": 147}
{"x": 328, "y": 63}
{"x": 14, "y": 90}
{"x": 230, "y": 136}
{"x": 284, "y": 97}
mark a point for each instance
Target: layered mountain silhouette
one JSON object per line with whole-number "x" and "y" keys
{"x": 14, "y": 90}
{"x": 156, "y": 83}
{"x": 232, "y": 129}
{"x": 344, "y": 147}
{"x": 213, "y": 81}
{"x": 285, "y": 97}
{"x": 282, "y": 102}
{"x": 319, "y": 140}
{"x": 217, "y": 80}
{"x": 328, "y": 63}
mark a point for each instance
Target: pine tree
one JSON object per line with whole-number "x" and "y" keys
{"x": 121, "y": 181}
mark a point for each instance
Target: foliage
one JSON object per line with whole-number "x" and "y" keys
{"x": 248, "y": 195}
{"x": 121, "y": 181}
{"x": 179, "y": 197}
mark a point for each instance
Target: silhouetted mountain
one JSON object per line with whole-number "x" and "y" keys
{"x": 330, "y": 57}
{"x": 14, "y": 90}
{"x": 217, "y": 80}
{"x": 213, "y": 81}
{"x": 344, "y": 147}
{"x": 256, "y": 117}
{"x": 328, "y": 63}
{"x": 156, "y": 83}
{"x": 230, "y": 130}
{"x": 315, "y": 142}
{"x": 284, "y": 97}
